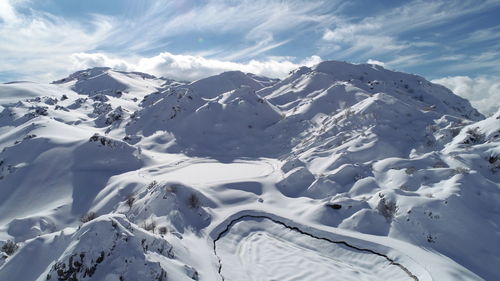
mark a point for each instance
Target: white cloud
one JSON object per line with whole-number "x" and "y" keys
{"x": 483, "y": 92}
{"x": 189, "y": 67}
{"x": 7, "y": 12}
{"x": 372, "y": 61}
{"x": 310, "y": 61}
{"x": 85, "y": 60}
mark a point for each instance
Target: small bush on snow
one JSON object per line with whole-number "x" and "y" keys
{"x": 103, "y": 140}
{"x": 474, "y": 136}
{"x": 162, "y": 230}
{"x": 461, "y": 170}
{"x": 494, "y": 161}
{"x": 194, "y": 201}
{"x": 130, "y": 201}
{"x": 88, "y": 217}
{"x": 9, "y": 247}
{"x": 152, "y": 184}
{"x": 387, "y": 208}
{"x": 410, "y": 170}
{"x": 149, "y": 225}
{"x": 171, "y": 188}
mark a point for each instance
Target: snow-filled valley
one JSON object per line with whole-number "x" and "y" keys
{"x": 336, "y": 172}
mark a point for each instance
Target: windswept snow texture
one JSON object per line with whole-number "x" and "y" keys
{"x": 109, "y": 175}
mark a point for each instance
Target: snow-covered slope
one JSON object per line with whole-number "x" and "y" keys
{"x": 354, "y": 171}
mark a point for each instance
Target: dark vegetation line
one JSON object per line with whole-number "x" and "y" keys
{"x": 228, "y": 227}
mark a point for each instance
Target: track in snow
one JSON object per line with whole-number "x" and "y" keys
{"x": 260, "y": 248}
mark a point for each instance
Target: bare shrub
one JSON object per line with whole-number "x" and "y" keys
{"x": 474, "y": 136}
{"x": 461, "y": 170}
{"x": 171, "y": 188}
{"x": 88, "y": 217}
{"x": 387, "y": 208}
{"x": 404, "y": 187}
{"x": 130, "y": 201}
{"x": 494, "y": 161}
{"x": 152, "y": 184}
{"x": 410, "y": 170}
{"x": 194, "y": 201}
{"x": 149, "y": 225}
{"x": 162, "y": 230}
{"x": 9, "y": 247}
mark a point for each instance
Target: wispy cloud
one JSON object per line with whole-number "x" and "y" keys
{"x": 406, "y": 60}
{"x": 260, "y": 47}
{"x": 488, "y": 60}
{"x": 486, "y": 34}
{"x": 389, "y": 32}
{"x": 256, "y": 23}
{"x": 451, "y": 57}
{"x": 41, "y": 43}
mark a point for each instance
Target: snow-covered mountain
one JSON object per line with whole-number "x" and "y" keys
{"x": 337, "y": 172}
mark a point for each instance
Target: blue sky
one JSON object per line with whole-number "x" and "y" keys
{"x": 456, "y": 43}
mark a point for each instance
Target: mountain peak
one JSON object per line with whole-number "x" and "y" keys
{"x": 212, "y": 86}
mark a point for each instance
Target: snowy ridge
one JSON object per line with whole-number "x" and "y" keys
{"x": 164, "y": 172}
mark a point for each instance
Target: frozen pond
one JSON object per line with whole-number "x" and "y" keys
{"x": 260, "y": 249}
{"x": 212, "y": 172}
